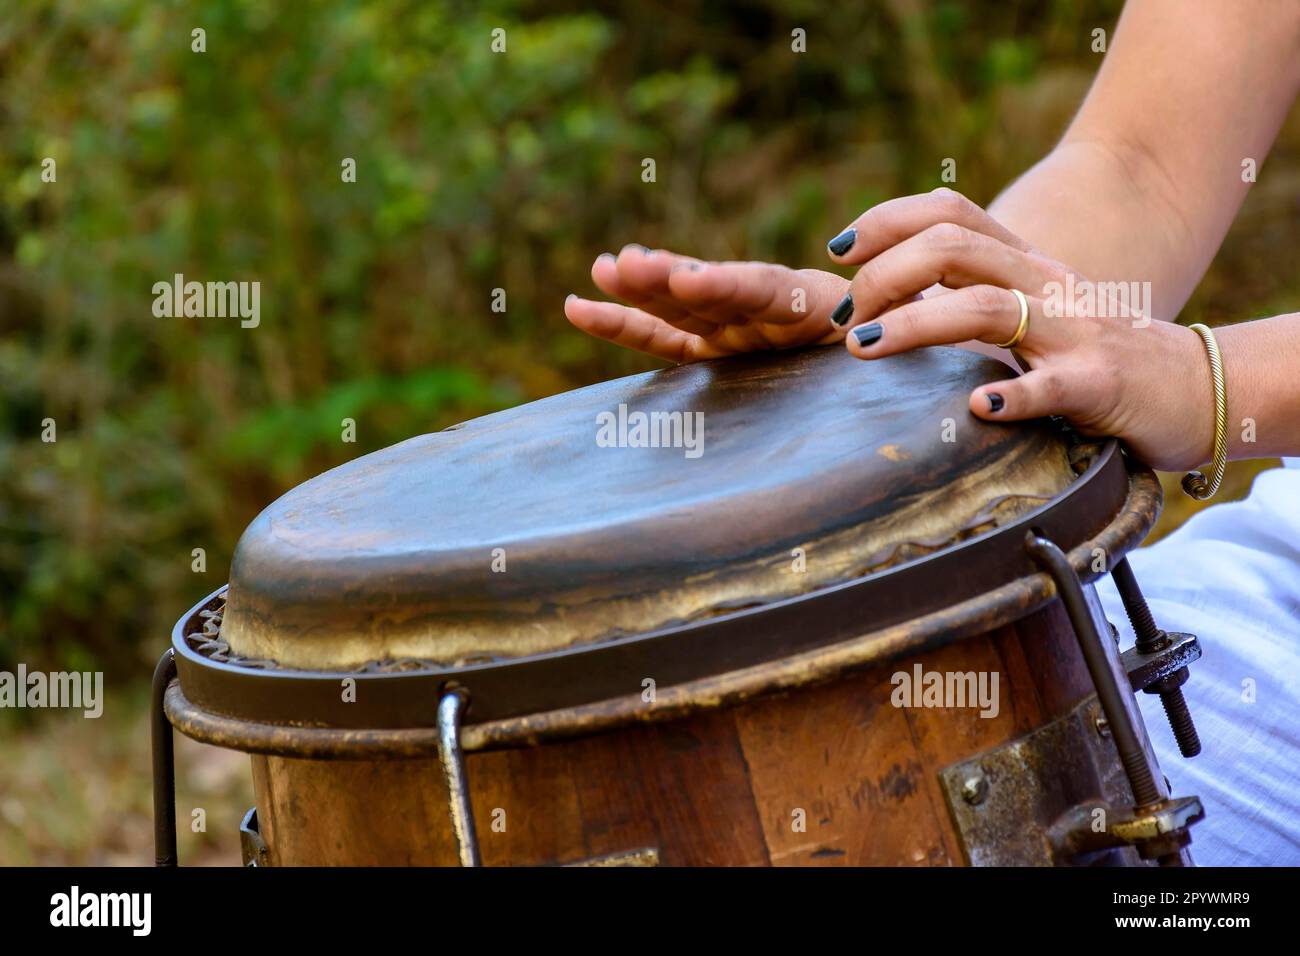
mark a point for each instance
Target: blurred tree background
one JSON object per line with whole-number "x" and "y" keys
{"x": 474, "y": 171}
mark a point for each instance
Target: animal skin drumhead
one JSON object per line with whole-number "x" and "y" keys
{"x": 632, "y": 505}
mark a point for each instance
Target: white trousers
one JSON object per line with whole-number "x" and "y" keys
{"x": 1231, "y": 575}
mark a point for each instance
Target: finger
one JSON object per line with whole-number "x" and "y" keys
{"x": 639, "y": 276}
{"x": 643, "y": 279}
{"x": 983, "y": 313}
{"x": 945, "y": 254}
{"x": 643, "y": 272}
{"x": 622, "y": 284}
{"x": 891, "y": 222}
{"x": 739, "y": 292}
{"x": 604, "y": 272}
{"x": 1035, "y": 394}
{"x": 635, "y": 329}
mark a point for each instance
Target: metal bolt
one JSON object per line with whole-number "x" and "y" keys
{"x": 1103, "y": 726}
{"x": 1149, "y": 640}
{"x": 975, "y": 788}
{"x": 1180, "y": 719}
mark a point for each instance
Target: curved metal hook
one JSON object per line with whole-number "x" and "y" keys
{"x": 164, "y": 765}
{"x": 451, "y": 708}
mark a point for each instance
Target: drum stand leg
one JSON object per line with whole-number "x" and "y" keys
{"x": 164, "y": 765}
{"x": 1159, "y": 825}
{"x": 451, "y": 708}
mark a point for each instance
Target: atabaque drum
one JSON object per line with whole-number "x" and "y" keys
{"x": 783, "y": 608}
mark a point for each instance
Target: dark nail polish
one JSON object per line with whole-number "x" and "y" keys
{"x": 843, "y": 242}
{"x": 843, "y": 312}
{"x": 995, "y": 402}
{"x": 868, "y": 334}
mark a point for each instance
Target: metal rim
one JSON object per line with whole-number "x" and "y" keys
{"x": 1110, "y": 506}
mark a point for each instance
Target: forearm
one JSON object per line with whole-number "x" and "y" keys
{"x": 1261, "y": 365}
{"x": 1153, "y": 169}
{"x": 1085, "y": 206}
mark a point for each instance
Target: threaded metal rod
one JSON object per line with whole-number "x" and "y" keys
{"x": 1150, "y": 639}
{"x": 1180, "y": 720}
{"x": 1135, "y": 606}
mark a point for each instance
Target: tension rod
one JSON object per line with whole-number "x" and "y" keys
{"x": 1151, "y": 639}
{"x": 164, "y": 765}
{"x": 1131, "y": 753}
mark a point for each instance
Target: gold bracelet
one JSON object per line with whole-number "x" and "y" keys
{"x": 1194, "y": 482}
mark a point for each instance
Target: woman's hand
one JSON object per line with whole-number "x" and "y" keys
{"x": 1112, "y": 371}
{"x": 935, "y": 270}
{"x": 684, "y": 309}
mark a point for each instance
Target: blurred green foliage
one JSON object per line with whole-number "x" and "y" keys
{"x": 475, "y": 171}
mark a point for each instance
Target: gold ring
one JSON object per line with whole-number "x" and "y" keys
{"x": 1023, "y": 327}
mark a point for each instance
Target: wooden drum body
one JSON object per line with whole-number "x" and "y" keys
{"x": 812, "y": 612}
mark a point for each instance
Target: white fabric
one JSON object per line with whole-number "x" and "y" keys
{"x": 1231, "y": 575}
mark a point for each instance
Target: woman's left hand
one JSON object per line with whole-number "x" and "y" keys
{"x": 1113, "y": 371}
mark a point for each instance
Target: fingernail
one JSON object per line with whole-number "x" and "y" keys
{"x": 868, "y": 334}
{"x": 843, "y": 242}
{"x": 607, "y": 255}
{"x": 570, "y": 296}
{"x": 843, "y": 311}
{"x": 995, "y": 402}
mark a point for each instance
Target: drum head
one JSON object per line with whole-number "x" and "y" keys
{"x": 633, "y": 505}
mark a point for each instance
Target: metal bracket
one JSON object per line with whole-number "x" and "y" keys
{"x": 1155, "y": 833}
{"x": 1006, "y": 801}
{"x": 1145, "y": 669}
{"x": 251, "y": 845}
{"x": 1162, "y": 829}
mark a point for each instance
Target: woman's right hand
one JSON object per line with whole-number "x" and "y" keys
{"x": 685, "y": 309}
